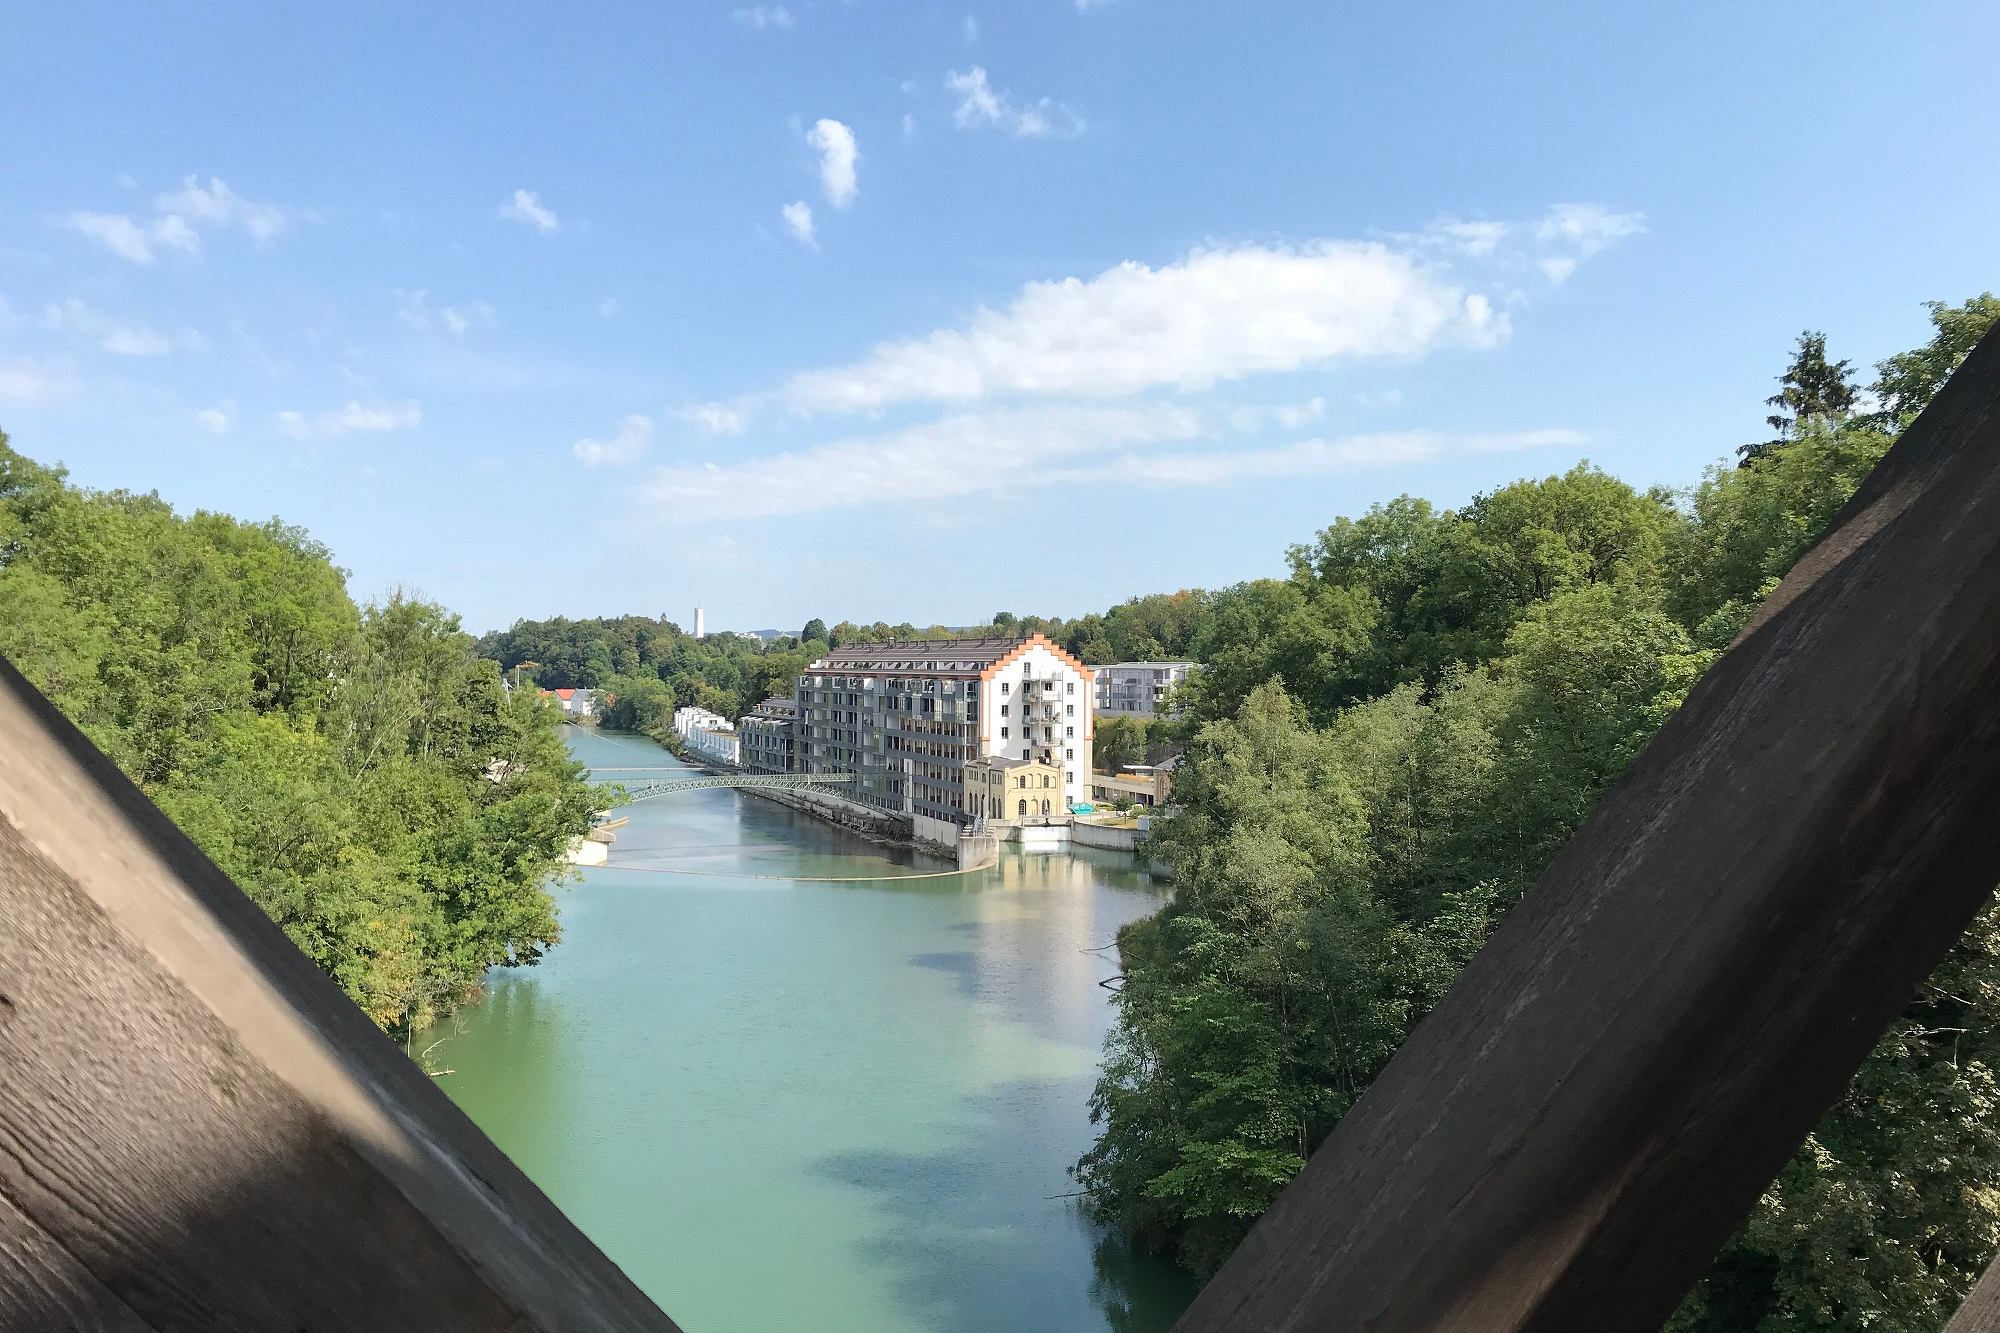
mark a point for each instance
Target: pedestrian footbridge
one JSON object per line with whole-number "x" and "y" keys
{"x": 647, "y": 788}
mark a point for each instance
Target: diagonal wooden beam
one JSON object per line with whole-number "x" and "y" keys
{"x": 1568, "y": 1139}
{"x": 199, "y": 1131}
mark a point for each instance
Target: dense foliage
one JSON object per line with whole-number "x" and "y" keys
{"x": 359, "y": 771}
{"x": 1387, "y": 748}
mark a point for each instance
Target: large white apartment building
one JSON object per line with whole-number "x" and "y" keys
{"x": 905, "y": 718}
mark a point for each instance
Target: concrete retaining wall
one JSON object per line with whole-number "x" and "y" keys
{"x": 849, "y": 815}
{"x": 1111, "y": 839}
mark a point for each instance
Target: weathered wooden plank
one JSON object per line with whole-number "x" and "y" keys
{"x": 48, "y": 1288}
{"x": 1981, "y": 1311}
{"x": 198, "y": 1128}
{"x": 1572, "y": 1134}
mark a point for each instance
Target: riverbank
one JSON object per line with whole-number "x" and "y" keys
{"x": 801, "y": 1083}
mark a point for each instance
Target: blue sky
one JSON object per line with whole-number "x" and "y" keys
{"x": 853, "y": 309}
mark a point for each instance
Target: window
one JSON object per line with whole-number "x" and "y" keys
{"x": 1003, "y": 733}
{"x": 1003, "y": 687}
{"x": 1072, "y": 710}
{"x": 1068, "y": 754}
{"x": 1045, "y": 807}
{"x": 1045, "y": 780}
{"x": 1024, "y": 810}
{"x": 1069, "y": 732}
{"x": 1003, "y": 710}
{"x": 1072, "y": 687}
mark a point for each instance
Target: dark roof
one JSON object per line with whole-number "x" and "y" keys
{"x": 914, "y": 655}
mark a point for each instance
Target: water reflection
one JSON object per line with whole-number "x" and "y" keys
{"x": 781, "y": 1103}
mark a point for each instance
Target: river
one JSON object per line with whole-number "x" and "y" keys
{"x": 783, "y": 1102}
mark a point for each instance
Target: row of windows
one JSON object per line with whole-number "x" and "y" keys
{"x": 1048, "y": 733}
{"x": 1069, "y": 709}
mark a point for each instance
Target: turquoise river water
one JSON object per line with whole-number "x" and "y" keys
{"x": 783, "y": 1103}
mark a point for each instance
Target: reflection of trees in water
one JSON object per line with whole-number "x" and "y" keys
{"x": 1137, "y": 1292}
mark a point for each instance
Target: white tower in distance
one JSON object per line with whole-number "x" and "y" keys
{"x": 697, "y": 623}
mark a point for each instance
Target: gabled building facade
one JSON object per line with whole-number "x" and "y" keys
{"x": 906, "y": 718}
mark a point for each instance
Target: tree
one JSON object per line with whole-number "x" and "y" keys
{"x": 361, "y": 774}
{"x": 815, "y": 631}
{"x": 1906, "y": 382}
{"x": 1812, "y": 389}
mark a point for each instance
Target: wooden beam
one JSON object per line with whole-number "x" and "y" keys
{"x": 1981, "y": 1311}
{"x": 199, "y": 1131}
{"x": 1568, "y": 1139}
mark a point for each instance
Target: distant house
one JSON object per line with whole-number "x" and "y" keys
{"x": 1137, "y": 689}
{"x": 573, "y": 702}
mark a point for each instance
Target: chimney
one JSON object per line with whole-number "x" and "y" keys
{"x": 698, "y": 631}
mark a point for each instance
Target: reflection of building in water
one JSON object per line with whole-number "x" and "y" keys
{"x": 1038, "y": 928}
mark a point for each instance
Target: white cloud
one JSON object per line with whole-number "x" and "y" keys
{"x": 834, "y": 143}
{"x": 1474, "y": 238}
{"x": 352, "y": 417}
{"x": 116, "y": 336}
{"x": 138, "y": 242}
{"x": 219, "y": 206}
{"x": 177, "y": 214}
{"x": 219, "y": 419}
{"x": 1588, "y": 227}
{"x": 633, "y": 440}
{"x": 526, "y": 208}
{"x": 971, "y": 29}
{"x": 1293, "y": 415}
{"x": 1218, "y": 315}
{"x": 1024, "y": 449}
{"x": 413, "y": 308}
{"x": 35, "y": 381}
{"x": 909, "y": 126}
{"x": 1386, "y": 398}
{"x": 981, "y": 106}
{"x": 799, "y": 222}
{"x": 717, "y": 419}
{"x": 1557, "y": 268}
{"x": 763, "y": 16}
{"x": 608, "y": 307}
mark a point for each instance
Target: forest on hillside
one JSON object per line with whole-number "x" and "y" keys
{"x": 1385, "y": 751}
{"x": 359, "y": 771}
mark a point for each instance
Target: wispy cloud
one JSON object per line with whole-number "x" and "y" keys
{"x": 763, "y": 16}
{"x": 217, "y": 420}
{"x": 119, "y": 337}
{"x": 631, "y": 443}
{"x": 1218, "y": 315}
{"x": 178, "y": 216}
{"x": 799, "y": 222}
{"x": 414, "y": 309}
{"x": 971, "y": 29}
{"x": 216, "y": 205}
{"x": 348, "y": 419}
{"x": 716, "y": 419}
{"x": 140, "y": 242}
{"x": 981, "y": 106}
{"x": 31, "y": 382}
{"x": 1555, "y": 243}
{"x": 526, "y": 208}
{"x": 834, "y": 143}
{"x": 1029, "y": 448}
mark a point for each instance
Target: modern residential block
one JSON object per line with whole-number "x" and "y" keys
{"x": 764, "y": 736}
{"x": 1137, "y": 689}
{"x": 907, "y": 717}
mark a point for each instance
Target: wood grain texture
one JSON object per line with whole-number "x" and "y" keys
{"x": 198, "y": 1131}
{"x": 1568, "y": 1139}
{"x": 1981, "y": 1311}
